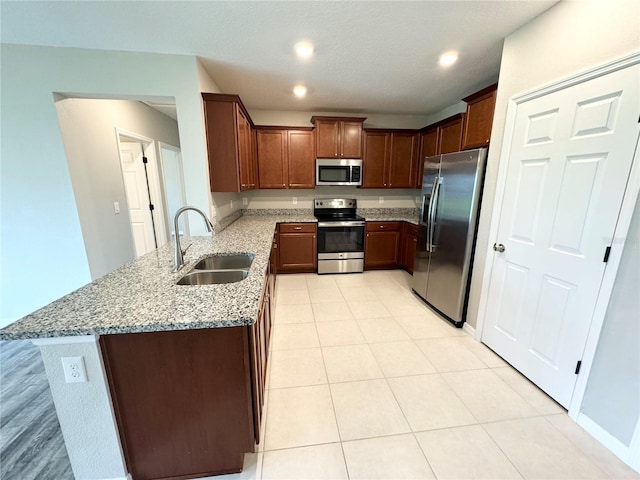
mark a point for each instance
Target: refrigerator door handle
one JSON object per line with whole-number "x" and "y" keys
{"x": 430, "y": 214}
{"x": 424, "y": 201}
{"x": 434, "y": 210}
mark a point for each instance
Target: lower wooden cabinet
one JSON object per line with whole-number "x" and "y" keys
{"x": 409, "y": 244}
{"x": 190, "y": 402}
{"x": 182, "y": 400}
{"x": 297, "y": 245}
{"x": 382, "y": 245}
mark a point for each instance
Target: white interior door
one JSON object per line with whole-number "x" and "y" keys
{"x": 175, "y": 197}
{"x": 135, "y": 183}
{"x": 570, "y": 157}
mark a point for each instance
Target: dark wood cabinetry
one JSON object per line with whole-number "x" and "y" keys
{"x": 479, "y": 117}
{"x": 297, "y": 247}
{"x": 382, "y": 245}
{"x": 229, "y": 144}
{"x": 450, "y": 135}
{"x": 409, "y": 244}
{"x": 190, "y": 402}
{"x": 390, "y": 158}
{"x": 182, "y": 399}
{"x": 338, "y": 137}
{"x": 286, "y": 157}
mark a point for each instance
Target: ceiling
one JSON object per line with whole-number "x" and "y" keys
{"x": 370, "y": 56}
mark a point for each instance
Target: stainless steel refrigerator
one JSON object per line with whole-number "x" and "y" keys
{"x": 451, "y": 188}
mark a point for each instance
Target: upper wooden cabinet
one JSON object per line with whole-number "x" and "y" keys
{"x": 479, "y": 118}
{"x": 338, "y": 137}
{"x": 450, "y": 134}
{"x": 286, "y": 157}
{"x": 390, "y": 158}
{"x": 229, "y": 144}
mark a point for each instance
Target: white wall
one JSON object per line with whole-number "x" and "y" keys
{"x": 89, "y": 134}
{"x": 303, "y": 119}
{"x": 367, "y": 198}
{"x": 40, "y": 225}
{"x": 84, "y": 410}
{"x": 612, "y": 397}
{"x": 566, "y": 39}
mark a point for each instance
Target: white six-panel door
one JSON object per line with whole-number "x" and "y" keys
{"x": 135, "y": 183}
{"x": 570, "y": 156}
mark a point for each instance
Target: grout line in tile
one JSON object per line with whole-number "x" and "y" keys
{"x": 500, "y": 448}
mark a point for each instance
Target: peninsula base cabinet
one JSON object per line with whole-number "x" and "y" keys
{"x": 189, "y": 403}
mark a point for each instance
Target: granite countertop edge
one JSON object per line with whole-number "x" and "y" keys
{"x": 142, "y": 296}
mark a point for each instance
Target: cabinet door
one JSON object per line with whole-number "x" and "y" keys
{"x": 272, "y": 158}
{"x": 479, "y": 120}
{"x": 244, "y": 149}
{"x": 428, "y": 148}
{"x": 327, "y": 135}
{"x": 402, "y": 160}
{"x": 409, "y": 242}
{"x": 351, "y": 140}
{"x": 301, "y": 157}
{"x": 222, "y": 146}
{"x": 450, "y": 138}
{"x": 381, "y": 250}
{"x": 297, "y": 247}
{"x": 376, "y": 146}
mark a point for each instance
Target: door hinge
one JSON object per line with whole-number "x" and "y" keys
{"x": 578, "y": 365}
{"x": 606, "y": 254}
{"x": 145, "y": 159}
{"x": 151, "y": 207}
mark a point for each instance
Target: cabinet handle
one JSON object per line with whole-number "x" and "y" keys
{"x": 415, "y": 239}
{"x": 367, "y": 234}
{"x": 381, "y": 226}
{"x": 297, "y": 228}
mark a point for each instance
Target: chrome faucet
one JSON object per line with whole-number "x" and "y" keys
{"x": 179, "y": 253}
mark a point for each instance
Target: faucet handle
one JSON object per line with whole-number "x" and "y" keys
{"x": 186, "y": 248}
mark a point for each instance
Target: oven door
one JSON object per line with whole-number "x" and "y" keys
{"x": 340, "y": 237}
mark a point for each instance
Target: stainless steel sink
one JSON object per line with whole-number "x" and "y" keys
{"x": 213, "y": 277}
{"x": 225, "y": 262}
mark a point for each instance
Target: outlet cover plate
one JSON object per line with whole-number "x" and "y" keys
{"x": 74, "y": 371}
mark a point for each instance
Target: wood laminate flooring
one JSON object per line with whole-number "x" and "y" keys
{"x": 31, "y": 443}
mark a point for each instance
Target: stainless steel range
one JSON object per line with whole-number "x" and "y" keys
{"x": 340, "y": 236}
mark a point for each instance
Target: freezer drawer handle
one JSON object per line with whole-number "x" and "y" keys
{"x": 498, "y": 247}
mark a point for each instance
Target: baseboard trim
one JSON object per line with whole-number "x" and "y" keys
{"x": 469, "y": 329}
{"x": 619, "y": 449}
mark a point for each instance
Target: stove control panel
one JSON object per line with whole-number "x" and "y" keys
{"x": 335, "y": 203}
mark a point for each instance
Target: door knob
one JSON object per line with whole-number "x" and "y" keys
{"x": 498, "y": 247}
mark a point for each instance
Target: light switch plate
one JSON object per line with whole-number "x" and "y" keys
{"x": 294, "y": 200}
{"x": 245, "y": 201}
{"x": 381, "y": 200}
{"x": 116, "y": 207}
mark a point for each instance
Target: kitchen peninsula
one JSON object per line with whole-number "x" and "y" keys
{"x": 162, "y": 361}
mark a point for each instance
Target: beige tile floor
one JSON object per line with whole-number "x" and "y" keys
{"x": 366, "y": 382}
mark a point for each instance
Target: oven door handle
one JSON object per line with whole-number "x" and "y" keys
{"x": 340, "y": 224}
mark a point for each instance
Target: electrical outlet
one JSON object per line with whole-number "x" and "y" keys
{"x": 230, "y": 203}
{"x": 245, "y": 201}
{"x": 294, "y": 200}
{"x": 116, "y": 207}
{"x": 417, "y": 200}
{"x": 380, "y": 200}
{"x": 74, "y": 371}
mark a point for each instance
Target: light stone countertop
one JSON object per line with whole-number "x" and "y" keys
{"x": 142, "y": 296}
{"x": 390, "y": 215}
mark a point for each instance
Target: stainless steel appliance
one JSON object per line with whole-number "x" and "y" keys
{"x": 340, "y": 236}
{"x": 451, "y": 188}
{"x": 338, "y": 171}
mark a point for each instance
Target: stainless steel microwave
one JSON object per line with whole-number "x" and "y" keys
{"x": 338, "y": 171}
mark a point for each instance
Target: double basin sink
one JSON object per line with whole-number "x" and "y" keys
{"x": 217, "y": 269}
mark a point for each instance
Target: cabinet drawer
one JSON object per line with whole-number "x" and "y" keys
{"x": 297, "y": 228}
{"x": 412, "y": 229}
{"x": 383, "y": 226}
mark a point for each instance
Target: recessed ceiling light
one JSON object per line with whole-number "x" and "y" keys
{"x": 303, "y": 49}
{"x": 299, "y": 91}
{"x": 447, "y": 59}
